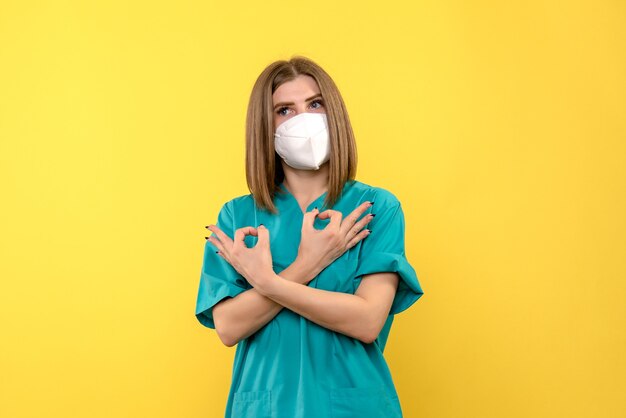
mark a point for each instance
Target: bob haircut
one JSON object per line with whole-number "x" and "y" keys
{"x": 264, "y": 171}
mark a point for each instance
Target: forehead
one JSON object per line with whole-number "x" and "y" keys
{"x": 301, "y": 87}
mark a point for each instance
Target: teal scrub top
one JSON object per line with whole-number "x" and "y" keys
{"x": 293, "y": 367}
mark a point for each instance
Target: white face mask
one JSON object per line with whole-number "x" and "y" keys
{"x": 302, "y": 141}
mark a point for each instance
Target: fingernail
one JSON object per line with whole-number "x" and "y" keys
{"x": 315, "y": 207}
{"x": 207, "y": 227}
{"x": 216, "y": 252}
{"x": 371, "y": 202}
{"x": 206, "y": 237}
{"x": 262, "y": 225}
{"x": 373, "y": 214}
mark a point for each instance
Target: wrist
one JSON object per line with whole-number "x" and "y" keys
{"x": 304, "y": 270}
{"x": 265, "y": 285}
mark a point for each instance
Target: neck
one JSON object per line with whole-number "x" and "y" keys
{"x": 306, "y": 183}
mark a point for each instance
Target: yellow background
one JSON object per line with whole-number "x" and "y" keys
{"x": 500, "y": 127}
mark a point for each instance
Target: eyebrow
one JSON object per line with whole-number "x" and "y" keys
{"x": 290, "y": 103}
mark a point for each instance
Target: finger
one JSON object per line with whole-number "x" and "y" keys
{"x": 264, "y": 236}
{"x": 213, "y": 240}
{"x": 221, "y": 235}
{"x": 361, "y": 235}
{"x": 355, "y": 228}
{"x": 221, "y": 249}
{"x": 334, "y": 216}
{"x": 309, "y": 219}
{"x": 225, "y": 256}
{"x": 351, "y": 219}
{"x": 241, "y": 233}
{"x": 360, "y": 224}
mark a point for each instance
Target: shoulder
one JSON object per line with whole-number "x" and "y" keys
{"x": 236, "y": 211}
{"x": 238, "y": 203}
{"x": 381, "y": 195}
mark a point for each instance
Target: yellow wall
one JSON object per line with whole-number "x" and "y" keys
{"x": 500, "y": 127}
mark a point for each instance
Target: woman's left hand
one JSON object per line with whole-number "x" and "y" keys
{"x": 254, "y": 264}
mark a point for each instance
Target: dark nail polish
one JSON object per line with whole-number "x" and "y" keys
{"x": 207, "y": 227}
{"x": 206, "y": 237}
{"x": 371, "y": 202}
{"x": 315, "y": 207}
{"x": 216, "y": 252}
{"x": 260, "y": 224}
{"x": 373, "y": 214}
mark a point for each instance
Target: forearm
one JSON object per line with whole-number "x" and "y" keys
{"x": 239, "y": 317}
{"x": 341, "y": 312}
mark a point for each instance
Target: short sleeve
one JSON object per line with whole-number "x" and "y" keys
{"x": 383, "y": 251}
{"x": 218, "y": 279}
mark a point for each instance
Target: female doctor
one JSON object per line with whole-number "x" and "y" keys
{"x": 291, "y": 274}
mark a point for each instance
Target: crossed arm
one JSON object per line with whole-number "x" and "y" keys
{"x": 360, "y": 316}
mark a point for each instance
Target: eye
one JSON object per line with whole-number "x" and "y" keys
{"x": 280, "y": 111}
{"x": 319, "y": 102}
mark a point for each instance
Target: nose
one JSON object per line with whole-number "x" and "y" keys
{"x": 301, "y": 109}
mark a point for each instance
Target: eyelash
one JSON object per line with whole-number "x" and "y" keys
{"x": 314, "y": 101}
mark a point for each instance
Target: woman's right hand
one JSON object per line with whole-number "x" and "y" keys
{"x": 319, "y": 248}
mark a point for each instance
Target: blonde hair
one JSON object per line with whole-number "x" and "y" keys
{"x": 264, "y": 171}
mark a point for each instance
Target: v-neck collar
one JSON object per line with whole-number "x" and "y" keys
{"x": 311, "y": 205}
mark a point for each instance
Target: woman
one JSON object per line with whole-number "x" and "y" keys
{"x": 298, "y": 241}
